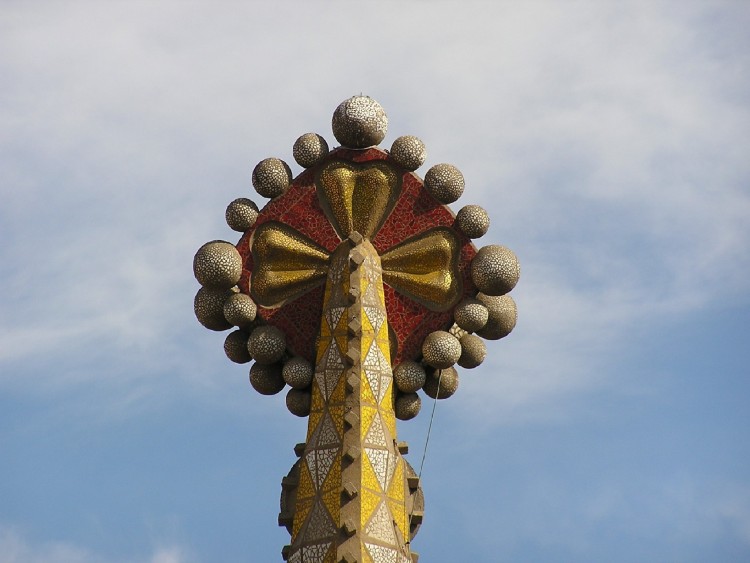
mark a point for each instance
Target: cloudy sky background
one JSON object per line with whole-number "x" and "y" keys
{"x": 610, "y": 143}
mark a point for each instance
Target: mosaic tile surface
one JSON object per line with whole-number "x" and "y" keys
{"x": 402, "y": 212}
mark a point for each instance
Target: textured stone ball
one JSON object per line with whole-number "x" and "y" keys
{"x": 471, "y": 314}
{"x": 359, "y": 122}
{"x": 409, "y": 151}
{"x": 309, "y": 149}
{"x": 298, "y": 373}
{"x": 441, "y": 349}
{"x": 298, "y": 402}
{"x": 241, "y": 214}
{"x": 407, "y": 406}
{"x": 444, "y": 182}
{"x": 495, "y": 270}
{"x": 409, "y": 376}
{"x": 209, "y": 307}
{"x": 448, "y": 379}
{"x": 473, "y": 221}
{"x": 473, "y": 351}
{"x": 503, "y": 315}
{"x": 266, "y": 344}
{"x": 271, "y": 177}
{"x": 235, "y": 347}
{"x": 217, "y": 265}
{"x": 266, "y": 379}
{"x": 240, "y": 310}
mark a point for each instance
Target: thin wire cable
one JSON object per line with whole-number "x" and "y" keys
{"x": 429, "y": 427}
{"x": 424, "y": 453}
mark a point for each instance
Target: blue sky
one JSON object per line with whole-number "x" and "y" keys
{"x": 610, "y": 143}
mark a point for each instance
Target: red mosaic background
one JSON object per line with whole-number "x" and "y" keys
{"x": 415, "y": 212}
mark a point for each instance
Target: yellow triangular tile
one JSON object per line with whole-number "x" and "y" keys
{"x": 302, "y": 509}
{"x": 369, "y": 502}
{"x": 366, "y": 414}
{"x": 305, "y": 488}
{"x": 397, "y": 488}
{"x": 316, "y": 413}
{"x": 398, "y": 511}
{"x": 369, "y": 479}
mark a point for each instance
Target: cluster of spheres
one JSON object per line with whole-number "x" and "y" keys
{"x": 358, "y": 123}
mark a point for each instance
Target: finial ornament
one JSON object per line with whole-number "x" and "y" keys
{"x": 356, "y": 288}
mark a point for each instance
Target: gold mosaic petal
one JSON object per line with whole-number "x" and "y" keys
{"x": 357, "y": 197}
{"x": 425, "y": 268}
{"x": 286, "y": 264}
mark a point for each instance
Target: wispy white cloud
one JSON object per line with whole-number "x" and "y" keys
{"x": 612, "y": 163}
{"x": 15, "y": 547}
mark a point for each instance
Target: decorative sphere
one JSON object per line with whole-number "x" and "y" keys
{"x": 209, "y": 307}
{"x": 473, "y": 351}
{"x": 409, "y": 376}
{"x": 241, "y": 214}
{"x": 473, "y": 221}
{"x": 240, "y": 310}
{"x": 271, "y": 177}
{"x": 217, "y": 265}
{"x": 407, "y": 406}
{"x": 309, "y": 149}
{"x": 408, "y": 151}
{"x": 444, "y": 182}
{"x": 448, "y": 379}
{"x": 359, "y": 122}
{"x": 235, "y": 347}
{"x": 470, "y": 314}
{"x": 441, "y": 349}
{"x": 298, "y": 372}
{"x": 503, "y": 315}
{"x": 495, "y": 270}
{"x": 298, "y": 402}
{"x": 266, "y": 344}
{"x": 266, "y": 379}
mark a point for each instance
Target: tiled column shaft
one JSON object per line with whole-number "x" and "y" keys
{"x": 352, "y": 490}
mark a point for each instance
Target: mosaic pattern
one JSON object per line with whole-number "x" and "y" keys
{"x": 217, "y": 265}
{"x": 241, "y": 214}
{"x": 271, "y": 177}
{"x": 444, "y": 182}
{"x": 317, "y": 517}
{"x": 309, "y": 149}
{"x": 408, "y": 151}
{"x": 353, "y": 267}
{"x": 353, "y": 375}
{"x": 473, "y": 221}
{"x": 300, "y": 210}
{"x": 502, "y": 316}
{"x": 495, "y": 270}
{"x": 357, "y": 197}
{"x": 359, "y": 122}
